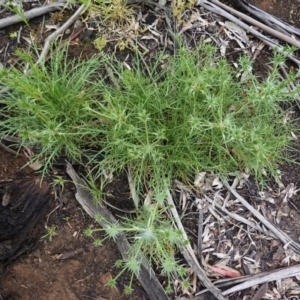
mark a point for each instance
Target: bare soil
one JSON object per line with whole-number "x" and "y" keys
{"x": 288, "y": 11}
{"x": 68, "y": 266}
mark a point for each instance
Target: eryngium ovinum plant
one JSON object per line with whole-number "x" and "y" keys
{"x": 190, "y": 113}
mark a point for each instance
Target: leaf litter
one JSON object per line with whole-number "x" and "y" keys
{"x": 234, "y": 242}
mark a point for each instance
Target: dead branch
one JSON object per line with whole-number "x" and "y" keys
{"x": 57, "y": 32}
{"x": 33, "y": 13}
{"x": 218, "y": 10}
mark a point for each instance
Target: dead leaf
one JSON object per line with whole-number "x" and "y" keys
{"x": 225, "y": 271}
{"x": 261, "y": 292}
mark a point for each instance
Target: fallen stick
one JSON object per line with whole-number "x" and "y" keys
{"x": 269, "y": 19}
{"x": 268, "y": 41}
{"x": 33, "y": 13}
{"x": 260, "y": 25}
{"x": 60, "y": 30}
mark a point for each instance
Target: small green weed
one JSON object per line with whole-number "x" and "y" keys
{"x": 110, "y": 12}
{"x": 16, "y": 6}
{"x": 60, "y": 182}
{"x": 151, "y": 232}
{"x": 51, "y": 232}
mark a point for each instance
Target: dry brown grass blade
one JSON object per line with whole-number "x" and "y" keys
{"x": 248, "y": 281}
{"x": 132, "y": 188}
{"x": 262, "y": 278}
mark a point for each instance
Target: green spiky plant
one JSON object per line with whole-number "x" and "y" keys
{"x": 45, "y": 107}
{"x": 191, "y": 112}
{"x": 191, "y": 115}
{"x": 16, "y": 6}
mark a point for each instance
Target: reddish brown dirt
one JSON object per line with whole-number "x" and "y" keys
{"x": 287, "y": 10}
{"x": 41, "y": 274}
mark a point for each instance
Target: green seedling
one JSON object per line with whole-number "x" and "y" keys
{"x": 51, "y": 232}
{"x": 16, "y": 6}
{"x": 13, "y": 34}
{"x": 59, "y": 181}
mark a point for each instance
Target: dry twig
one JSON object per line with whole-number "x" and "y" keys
{"x": 189, "y": 254}
{"x": 57, "y": 32}
{"x": 218, "y": 10}
{"x": 277, "y": 232}
{"x": 33, "y": 13}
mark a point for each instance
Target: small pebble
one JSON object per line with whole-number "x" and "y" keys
{"x": 211, "y": 28}
{"x": 93, "y": 24}
{"x": 68, "y": 31}
{"x": 77, "y": 24}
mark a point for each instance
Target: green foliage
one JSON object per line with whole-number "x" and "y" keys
{"x": 51, "y": 232}
{"x": 111, "y": 12}
{"x": 59, "y": 181}
{"x": 16, "y": 6}
{"x": 152, "y": 233}
{"x": 192, "y": 113}
{"x": 189, "y": 114}
{"x": 46, "y": 106}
